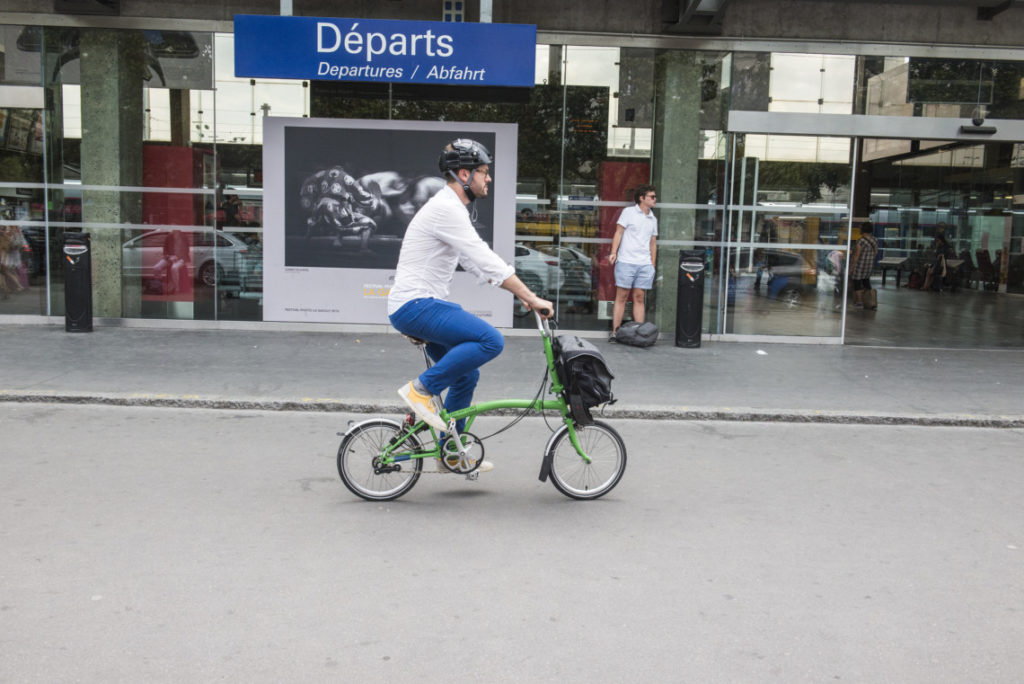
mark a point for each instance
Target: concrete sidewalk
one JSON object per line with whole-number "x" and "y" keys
{"x": 359, "y": 372}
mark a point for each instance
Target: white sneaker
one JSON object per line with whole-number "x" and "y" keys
{"x": 425, "y": 406}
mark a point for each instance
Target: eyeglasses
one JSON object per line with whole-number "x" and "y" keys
{"x": 486, "y": 172}
{"x": 652, "y": 196}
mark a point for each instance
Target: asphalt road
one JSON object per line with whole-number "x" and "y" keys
{"x": 164, "y": 545}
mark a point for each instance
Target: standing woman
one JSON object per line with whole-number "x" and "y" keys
{"x": 862, "y": 265}
{"x": 634, "y": 253}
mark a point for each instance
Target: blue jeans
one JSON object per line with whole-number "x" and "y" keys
{"x": 457, "y": 341}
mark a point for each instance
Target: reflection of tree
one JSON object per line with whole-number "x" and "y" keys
{"x": 586, "y": 134}
{"x": 539, "y": 119}
{"x": 957, "y": 81}
{"x": 20, "y": 167}
{"x": 707, "y": 181}
{"x": 751, "y": 74}
{"x": 238, "y": 158}
{"x": 808, "y": 178}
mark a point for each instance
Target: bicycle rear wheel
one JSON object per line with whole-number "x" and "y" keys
{"x": 578, "y": 479}
{"x": 359, "y": 458}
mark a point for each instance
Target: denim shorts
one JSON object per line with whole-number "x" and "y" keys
{"x": 628, "y": 276}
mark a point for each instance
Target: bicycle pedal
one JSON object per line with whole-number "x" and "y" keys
{"x": 473, "y": 476}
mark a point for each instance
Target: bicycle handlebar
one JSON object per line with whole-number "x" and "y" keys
{"x": 542, "y": 323}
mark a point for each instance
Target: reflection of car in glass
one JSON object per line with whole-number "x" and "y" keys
{"x": 576, "y": 266}
{"x": 782, "y": 275}
{"x": 568, "y": 255}
{"x": 555, "y": 272}
{"x": 537, "y": 270}
{"x": 210, "y": 262}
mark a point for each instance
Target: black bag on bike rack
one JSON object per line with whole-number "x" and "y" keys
{"x": 584, "y": 375}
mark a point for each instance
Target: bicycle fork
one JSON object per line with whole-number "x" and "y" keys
{"x": 549, "y": 453}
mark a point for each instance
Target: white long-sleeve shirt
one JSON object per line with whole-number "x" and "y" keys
{"x": 439, "y": 238}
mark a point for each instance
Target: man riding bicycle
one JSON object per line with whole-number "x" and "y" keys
{"x": 439, "y": 238}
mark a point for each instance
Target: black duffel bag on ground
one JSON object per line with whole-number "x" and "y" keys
{"x": 637, "y": 334}
{"x": 585, "y": 376}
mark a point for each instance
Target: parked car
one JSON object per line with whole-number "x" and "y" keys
{"x": 782, "y": 275}
{"x": 556, "y": 272}
{"x": 216, "y": 257}
{"x": 537, "y": 270}
{"x": 568, "y": 255}
{"x": 577, "y": 267}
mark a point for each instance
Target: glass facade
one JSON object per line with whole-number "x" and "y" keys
{"x": 159, "y": 159}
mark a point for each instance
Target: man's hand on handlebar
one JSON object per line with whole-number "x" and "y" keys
{"x": 526, "y": 297}
{"x": 542, "y": 306}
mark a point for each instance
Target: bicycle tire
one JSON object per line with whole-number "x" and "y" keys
{"x": 576, "y": 478}
{"x": 364, "y": 443}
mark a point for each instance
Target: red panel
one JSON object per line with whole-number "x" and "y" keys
{"x": 166, "y": 256}
{"x": 618, "y": 179}
{"x": 168, "y": 167}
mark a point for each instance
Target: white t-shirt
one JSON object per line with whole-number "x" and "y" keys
{"x": 439, "y": 238}
{"x": 635, "y": 246}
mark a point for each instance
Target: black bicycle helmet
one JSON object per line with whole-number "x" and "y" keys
{"x": 463, "y": 153}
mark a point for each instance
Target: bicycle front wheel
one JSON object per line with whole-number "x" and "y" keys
{"x": 576, "y": 478}
{"x": 359, "y": 461}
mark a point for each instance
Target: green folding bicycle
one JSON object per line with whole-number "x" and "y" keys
{"x": 381, "y": 459}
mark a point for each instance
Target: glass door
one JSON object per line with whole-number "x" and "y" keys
{"x": 785, "y": 238}
{"x": 962, "y": 199}
{"x": 932, "y": 185}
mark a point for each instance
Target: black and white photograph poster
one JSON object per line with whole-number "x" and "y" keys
{"x": 338, "y": 195}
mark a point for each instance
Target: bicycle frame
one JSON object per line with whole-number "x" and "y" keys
{"x": 394, "y": 453}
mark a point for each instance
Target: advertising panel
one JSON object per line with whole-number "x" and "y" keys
{"x": 338, "y": 196}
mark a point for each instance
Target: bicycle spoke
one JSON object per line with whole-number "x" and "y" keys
{"x": 359, "y": 459}
{"x": 574, "y": 476}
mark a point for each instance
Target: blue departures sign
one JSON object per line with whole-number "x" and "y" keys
{"x": 311, "y": 48}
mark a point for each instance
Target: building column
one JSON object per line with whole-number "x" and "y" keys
{"x": 54, "y": 198}
{"x": 112, "y": 64}
{"x": 674, "y": 157}
{"x": 181, "y": 135}
{"x": 555, "y": 64}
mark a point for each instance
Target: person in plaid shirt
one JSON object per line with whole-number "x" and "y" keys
{"x": 863, "y": 264}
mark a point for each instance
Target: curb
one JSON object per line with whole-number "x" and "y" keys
{"x": 680, "y": 413}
